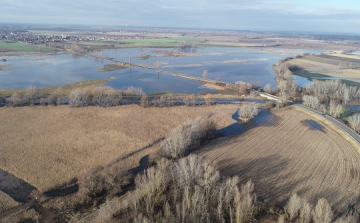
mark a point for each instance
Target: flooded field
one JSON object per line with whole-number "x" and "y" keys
{"x": 227, "y": 64}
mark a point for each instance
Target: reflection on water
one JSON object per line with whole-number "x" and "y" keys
{"x": 60, "y": 69}
{"x": 265, "y": 118}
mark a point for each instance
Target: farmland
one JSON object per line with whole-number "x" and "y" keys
{"x": 294, "y": 153}
{"x": 332, "y": 65}
{"x": 49, "y": 146}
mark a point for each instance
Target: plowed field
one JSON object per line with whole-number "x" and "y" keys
{"x": 295, "y": 153}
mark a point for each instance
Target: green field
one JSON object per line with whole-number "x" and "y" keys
{"x": 24, "y": 47}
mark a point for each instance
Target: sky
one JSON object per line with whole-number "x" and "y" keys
{"x": 258, "y": 15}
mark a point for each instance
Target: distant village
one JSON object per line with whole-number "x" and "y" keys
{"x": 30, "y": 38}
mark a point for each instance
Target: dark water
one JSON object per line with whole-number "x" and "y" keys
{"x": 265, "y": 118}
{"x": 52, "y": 70}
{"x": 355, "y": 108}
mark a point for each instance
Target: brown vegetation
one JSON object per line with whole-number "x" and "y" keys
{"x": 6, "y": 202}
{"x": 49, "y": 146}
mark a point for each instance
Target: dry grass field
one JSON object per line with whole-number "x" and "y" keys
{"x": 6, "y": 202}
{"x": 49, "y": 146}
{"x": 294, "y": 153}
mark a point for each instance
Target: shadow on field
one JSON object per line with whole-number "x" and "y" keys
{"x": 313, "y": 125}
{"x": 271, "y": 185}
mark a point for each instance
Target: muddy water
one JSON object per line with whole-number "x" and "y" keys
{"x": 264, "y": 118}
{"x": 16, "y": 188}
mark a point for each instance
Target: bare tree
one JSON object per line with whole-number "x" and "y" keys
{"x": 311, "y": 101}
{"x": 354, "y": 122}
{"x": 335, "y": 110}
{"x": 293, "y": 206}
{"x": 76, "y": 98}
{"x": 15, "y": 100}
{"x": 30, "y": 93}
{"x": 205, "y": 74}
{"x": 55, "y": 97}
{"x": 322, "y": 212}
{"x": 248, "y": 112}
{"x": 208, "y": 99}
{"x": 192, "y": 98}
{"x": 186, "y": 101}
{"x": 267, "y": 88}
{"x": 145, "y": 101}
{"x": 42, "y": 101}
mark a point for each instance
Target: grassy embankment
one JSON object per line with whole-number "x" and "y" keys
{"x": 65, "y": 89}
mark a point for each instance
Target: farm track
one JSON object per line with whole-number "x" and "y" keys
{"x": 289, "y": 157}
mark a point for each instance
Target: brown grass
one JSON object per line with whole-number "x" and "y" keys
{"x": 6, "y": 202}
{"x": 290, "y": 157}
{"x": 48, "y": 146}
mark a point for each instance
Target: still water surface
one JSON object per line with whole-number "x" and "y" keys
{"x": 228, "y": 64}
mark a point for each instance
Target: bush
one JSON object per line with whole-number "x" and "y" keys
{"x": 189, "y": 190}
{"x": 15, "y": 100}
{"x": 185, "y": 138}
{"x": 322, "y": 212}
{"x": 101, "y": 179}
{"x": 354, "y": 122}
{"x": 248, "y": 112}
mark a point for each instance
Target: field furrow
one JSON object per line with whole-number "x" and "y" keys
{"x": 292, "y": 157}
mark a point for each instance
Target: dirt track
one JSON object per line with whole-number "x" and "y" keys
{"x": 294, "y": 154}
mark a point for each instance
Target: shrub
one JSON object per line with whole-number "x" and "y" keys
{"x": 184, "y": 138}
{"x": 15, "y": 100}
{"x": 55, "y": 97}
{"x": 248, "y": 112}
{"x": 145, "y": 101}
{"x": 30, "y": 93}
{"x": 354, "y": 122}
{"x": 322, "y": 212}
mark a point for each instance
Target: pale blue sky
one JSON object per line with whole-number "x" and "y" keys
{"x": 290, "y": 15}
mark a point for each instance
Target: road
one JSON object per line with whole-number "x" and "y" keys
{"x": 342, "y": 126}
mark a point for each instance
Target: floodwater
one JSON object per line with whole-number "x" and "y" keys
{"x": 264, "y": 118}
{"x": 228, "y": 64}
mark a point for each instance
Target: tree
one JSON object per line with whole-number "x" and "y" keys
{"x": 145, "y": 101}
{"x": 55, "y": 97}
{"x": 293, "y": 206}
{"x": 248, "y": 112}
{"x": 354, "y": 122}
{"x": 205, "y": 74}
{"x": 322, "y": 212}
{"x": 208, "y": 99}
{"x": 335, "y": 110}
{"x": 30, "y": 93}
{"x": 310, "y": 101}
{"x": 192, "y": 98}
{"x": 15, "y": 100}
{"x": 76, "y": 98}
{"x": 267, "y": 88}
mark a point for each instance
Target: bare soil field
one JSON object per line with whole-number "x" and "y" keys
{"x": 329, "y": 65}
{"x": 49, "y": 146}
{"x": 295, "y": 153}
